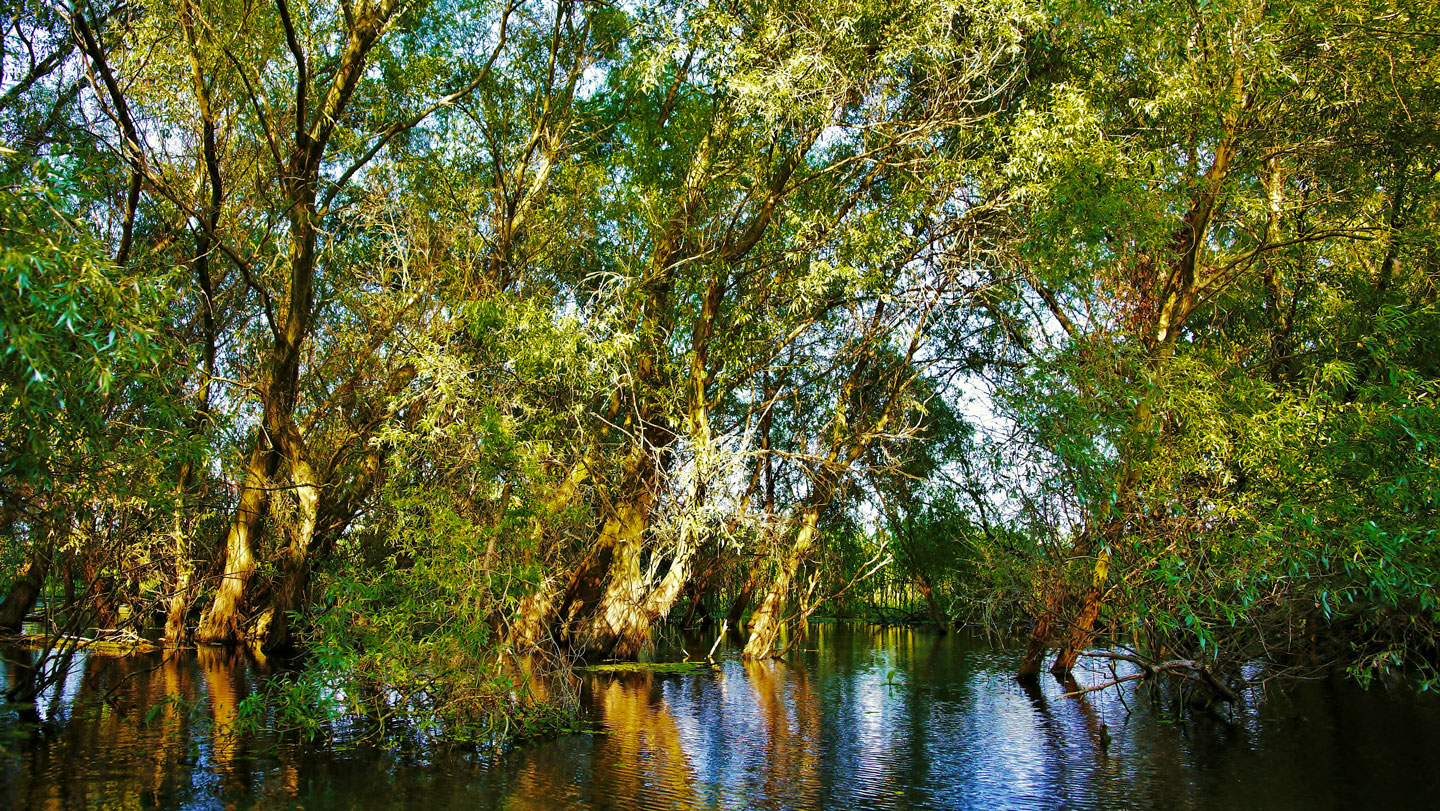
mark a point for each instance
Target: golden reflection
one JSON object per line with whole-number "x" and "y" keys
{"x": 638, "y": 760}
{"x": 792, "y": 730}
{"x": 163, "y": 704}
{"x": 642, "y": 734}
{"x": 219, "y": 668}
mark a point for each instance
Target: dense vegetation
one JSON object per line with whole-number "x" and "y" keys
{"x": 413, "y": 336}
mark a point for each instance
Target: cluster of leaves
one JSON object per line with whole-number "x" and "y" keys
{"x": 73, "y": 326}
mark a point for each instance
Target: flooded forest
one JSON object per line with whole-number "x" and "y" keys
{"x": 719, "y": 404}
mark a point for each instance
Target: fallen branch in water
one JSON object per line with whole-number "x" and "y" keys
{"x": 106, "y": 641}
{"x": 724, "y": 627}
{"x": 1185, "y": 668}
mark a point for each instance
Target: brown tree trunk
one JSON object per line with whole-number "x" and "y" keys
{"x": 25, "y": 591}
{"x": 626, "y": 632}
{"x": 542, "y": 611}
{"x": 583, "y": 590}
{"x": 1040, "y": 635}
{"x": 532, "y": 617}
{"x": 1035, "y": 651}
{"x": 657, "y": 605}
{"x": 699, "y": 591}
{"x": 1082, "y": 630}
{"x": 742, "y": 600}
{"x": 941, "y": 624}
{"x": 222, "y": 622}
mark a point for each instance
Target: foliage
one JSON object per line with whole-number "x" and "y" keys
{"x": 413, "y": 339}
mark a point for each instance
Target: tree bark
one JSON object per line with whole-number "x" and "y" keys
{"x": 295, "y": 565}
{"x": 25, "y": 591}
{"x": 179, "y": 607}
{"x": 766, "y": 621}
{"x": 742, "y": 601}
{"x": 938, "y": 616}
{"x": 222, "y": 621}
{"x": 621, "y": 604}
{"x": 290, "y": 327}
{"x": 1034, "y": 656}
{"x": 1082, "y": 631}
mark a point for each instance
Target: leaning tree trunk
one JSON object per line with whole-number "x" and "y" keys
{"x": 1183, "y": 289}
{"x": 1083, "y": 630}
{"x": 698, "y": 590}
{"x": 766, "y": 621}
{"x": 626, "y": 640}
{"x": 742, "y": 601}
{"x": 598, "y": 629}
{"x": 539, "y": 611}
{"x": 1034, "y": 657}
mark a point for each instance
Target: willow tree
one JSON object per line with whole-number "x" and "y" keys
{"x": 243, "y": 133}
{"x": 1222, "y": 168}
{"x": 787, "y": 136}
{"x": 81, "y": 362}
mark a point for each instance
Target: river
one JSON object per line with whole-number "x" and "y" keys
{"x": 860, "y": 717}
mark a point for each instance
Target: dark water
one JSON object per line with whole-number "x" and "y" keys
{"x": 863, "y": 718}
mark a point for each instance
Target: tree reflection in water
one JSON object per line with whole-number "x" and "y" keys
{"x": 855, "y": 717}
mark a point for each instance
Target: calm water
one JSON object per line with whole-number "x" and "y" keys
{"x": 863, "y": 718}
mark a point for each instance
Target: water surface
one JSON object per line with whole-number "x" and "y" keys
{"x": 861, "y": 717}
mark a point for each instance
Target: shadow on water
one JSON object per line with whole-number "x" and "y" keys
{"x": 858, "y": 717}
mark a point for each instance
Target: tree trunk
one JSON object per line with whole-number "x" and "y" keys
{"x": 622, "y": 601}
{"x": 290, "y": 324}
{"x": 632, "y": 638}
{"x": 1039, "y": 640}
{"x": 765, "y": 622}
{"x": 1040, "y": 636}
{"x": 296, "y": 564}
{"x": 746, "y": 595}
{"x": 25, "y": 591}
{"x": 543, "y": 610}
{"x": 180, "y": 600}
{"x": 698, "y": 591}
{"x": 583, "y": 590}
{"x": 532, "y": 617}
{"x": 941, "y": 624}
{"x": 179, "y": 607}
{"x": 222, "y": 621}
{"x": 1082, "y": 631}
